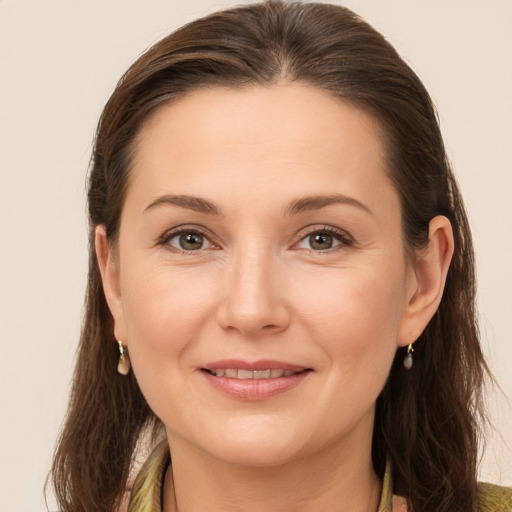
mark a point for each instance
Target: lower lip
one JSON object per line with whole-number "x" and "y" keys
{"x": 254, "y": 389}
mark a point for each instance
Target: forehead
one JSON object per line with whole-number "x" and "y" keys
{"x": 285, "y": 136}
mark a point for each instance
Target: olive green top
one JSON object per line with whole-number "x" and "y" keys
{"x": 147, "y": 489}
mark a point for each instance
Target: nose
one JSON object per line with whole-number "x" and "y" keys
{"x": 254, "y": 300}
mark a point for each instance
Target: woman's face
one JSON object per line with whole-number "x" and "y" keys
{"x": 261, "y": 237}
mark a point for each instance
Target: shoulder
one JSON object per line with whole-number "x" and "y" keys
{"x": 494, "y": 498}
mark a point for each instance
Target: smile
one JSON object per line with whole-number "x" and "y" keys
{"x": 239, "y": 373}
{"x": 253, "y": 381}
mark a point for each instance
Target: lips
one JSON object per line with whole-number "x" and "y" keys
{"x": 234, "y": 373}
{"x": 256, "y": 380}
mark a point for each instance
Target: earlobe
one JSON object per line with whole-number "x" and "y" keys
{"x": 110, "y": 279}
{"x": 430, "y": 269}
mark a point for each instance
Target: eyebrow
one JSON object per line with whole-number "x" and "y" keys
{"x": 303, "y": 204}
{"x": 316, "y": 202}
{"x": 196, "y": 204}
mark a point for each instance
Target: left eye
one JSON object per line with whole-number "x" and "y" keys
{"x": 189, "y": 241}
{"x": 320, "y": 241}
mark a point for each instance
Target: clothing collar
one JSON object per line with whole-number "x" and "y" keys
{"x": 148, "y": 487}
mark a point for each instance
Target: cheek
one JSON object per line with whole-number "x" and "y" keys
{"x": 356, "y": 319}
{"x": 352, "y": 305}
{"x": 164, "y": 312}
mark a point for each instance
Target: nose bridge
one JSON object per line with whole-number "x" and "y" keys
{"x": 252, "y": 300}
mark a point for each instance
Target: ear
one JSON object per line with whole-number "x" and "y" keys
{"x": 109, "y": 269}
{"x": 426, "y": 280}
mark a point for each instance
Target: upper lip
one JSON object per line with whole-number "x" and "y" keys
{"x": 262, "y": 364}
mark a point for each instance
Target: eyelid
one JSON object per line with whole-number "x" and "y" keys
{"x": 345, "y": 239}
{"x": 187, "y": 228}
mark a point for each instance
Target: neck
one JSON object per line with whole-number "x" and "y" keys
{"x": 334, "y": 480}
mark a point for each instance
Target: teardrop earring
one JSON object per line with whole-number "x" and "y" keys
{"x": 408, "y": 358}
{"x": 124, "y": 365}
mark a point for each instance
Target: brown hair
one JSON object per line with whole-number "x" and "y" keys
{"x": 428, "y": 419}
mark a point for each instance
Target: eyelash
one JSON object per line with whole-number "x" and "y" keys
{"x": 169, "y": 235}
{"x": 341, "y": 236}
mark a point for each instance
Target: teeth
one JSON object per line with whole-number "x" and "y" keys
{"x": 262, "y": 374}
{"x": 234, "y": 373}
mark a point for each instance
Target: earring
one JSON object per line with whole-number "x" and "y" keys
{"x": 408, "y": 358}
{"x": 124, "y": 365}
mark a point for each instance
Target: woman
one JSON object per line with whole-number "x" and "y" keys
{"x": 281, "y": 270}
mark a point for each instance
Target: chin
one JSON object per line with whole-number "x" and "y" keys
{"x": 262, "y": 445}
{"x": 257, "y": 455}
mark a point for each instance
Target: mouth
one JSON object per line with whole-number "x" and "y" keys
{"x": 253, "y": 381}
{"x": 243, "y": 374}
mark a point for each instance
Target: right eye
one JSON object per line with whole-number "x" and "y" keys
{"x": 188, "y": 241}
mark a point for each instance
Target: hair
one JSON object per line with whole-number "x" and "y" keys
{"x": 428, "y": 420}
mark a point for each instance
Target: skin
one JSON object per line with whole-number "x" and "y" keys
{"x": 258, "y": 289}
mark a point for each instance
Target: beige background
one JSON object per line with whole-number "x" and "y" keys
{"x": 59, "y": 61}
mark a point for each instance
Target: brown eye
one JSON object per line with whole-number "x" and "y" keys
{"x": 188, "y": 241}
{"x": 191, "y": 241}
{"x": 324, "y": 240}
{"x": 321, "y": 241}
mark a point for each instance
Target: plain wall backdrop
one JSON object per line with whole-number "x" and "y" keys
{"x": 59, "y": 62}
